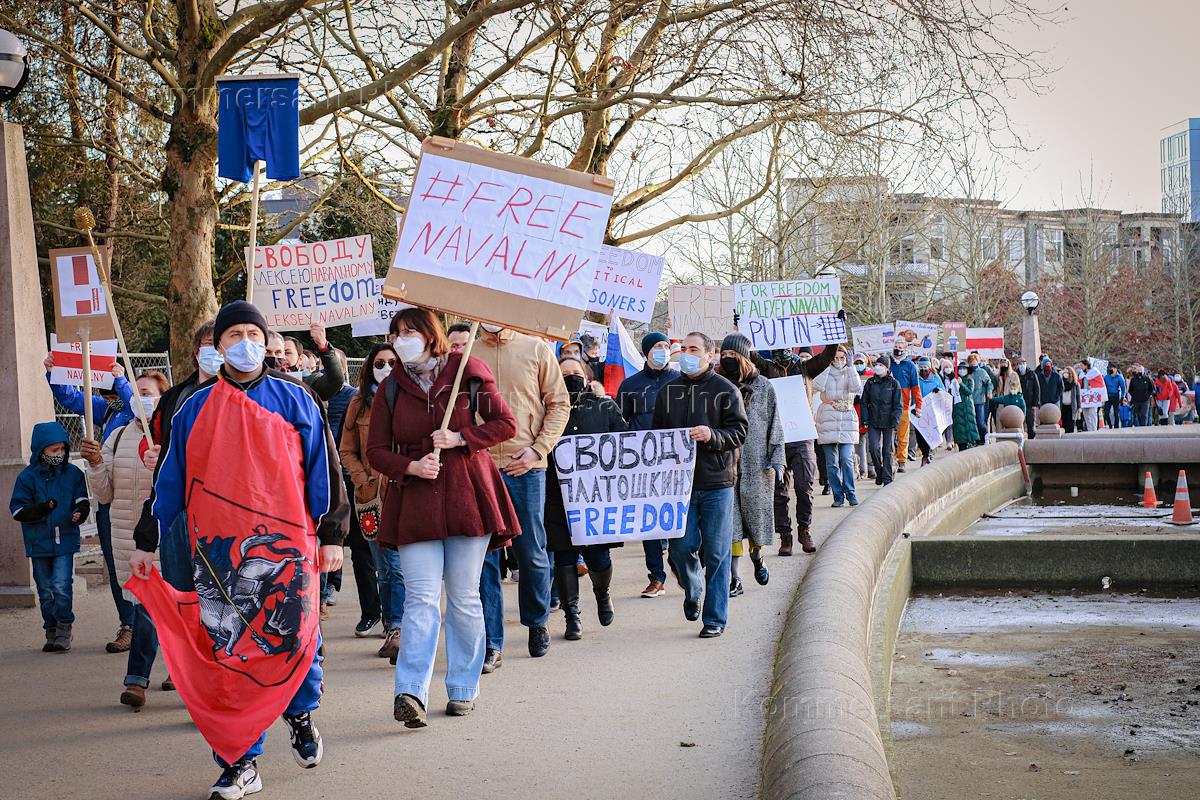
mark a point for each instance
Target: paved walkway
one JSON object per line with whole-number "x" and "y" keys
{"x": 604, "y": 717}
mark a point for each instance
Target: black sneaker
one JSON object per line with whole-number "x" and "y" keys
{"x": 691, "y": 610}
{"x": 711, "y": 631}
{"x": 364, "y": 627}
{"x": 307, "y": 748}
{"x": 237, "y": 780}
{"x": 539, "y": 641}
{"x": 735, "y": 587}
{"x": 761, "y": 573}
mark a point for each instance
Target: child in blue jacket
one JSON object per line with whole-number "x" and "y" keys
{"x": 50, "y": 500}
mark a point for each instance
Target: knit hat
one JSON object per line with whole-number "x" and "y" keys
{"x": 737, "y": 343}
{"x": 651, "y": 339}
{"x": 236, "y": 313}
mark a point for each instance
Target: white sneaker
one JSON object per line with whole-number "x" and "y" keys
{"x": 237, "y": 780}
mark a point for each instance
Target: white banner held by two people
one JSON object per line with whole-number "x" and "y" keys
{"x": 626, "y": 487}
{"x": 779, "y": 314}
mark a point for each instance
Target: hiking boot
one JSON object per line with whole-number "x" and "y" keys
{"x": 237, "y": 780}
{"x": 122, "y": 642}
{"x": 62, "y": 638}
{"x": 134, "y": 696}
{"x": 391, "y": 644}
{"x": 601, "y": 581}
{"x": 459, "y": 708}
{"x": 409, "y": 710}
{"x": 539, "y": 641}
{"x": 806, "y": 542}
{"x": 364, "y": 627}
{"x": 307, "y": 748}
{"x": 168, "y": 685}
{"x": 654, "y": 589}
{"x": 51, "y": 632}
{"x": 492, "y": 661}
{"x": 735, "y": 587}
{"x": 785, "y": 544}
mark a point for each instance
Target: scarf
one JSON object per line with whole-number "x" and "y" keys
{"x": 424, "y": 373}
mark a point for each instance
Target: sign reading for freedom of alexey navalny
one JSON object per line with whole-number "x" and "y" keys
{"x": 777, "y": 314}
{"x": 625, "y": 487}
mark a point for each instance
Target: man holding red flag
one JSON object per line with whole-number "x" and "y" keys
{"x": 252, "y": 464}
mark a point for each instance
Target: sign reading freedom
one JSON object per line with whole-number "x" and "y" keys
{"x": 626, "y": 487}
{"x": 331, "y": 283}
{"x": 501, "y": 230}
{"x": 777, "y": 314}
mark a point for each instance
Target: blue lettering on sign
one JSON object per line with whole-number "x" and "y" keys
{"x": 610, "y": 521}
{"x": 590, "y": 517}
{"x": 627, "y": 513}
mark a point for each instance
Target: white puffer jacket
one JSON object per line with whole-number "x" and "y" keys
{"x": 123, "y": 480}
{"x": 836, "y": 421}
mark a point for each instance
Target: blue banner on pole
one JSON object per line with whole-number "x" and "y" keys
{"x": 258, "y": 119}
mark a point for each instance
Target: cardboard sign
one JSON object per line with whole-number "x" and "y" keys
{"x": 385, "y": 309}
{"x": 79, "y": 297}
{"x": 779, "y": 314}
{"x": 795, "y": 409}
{"x": 332, "y": 283}
{"x": 989, "y": 342}
{"x": 68, "y": 362}
{"x": 500, "y": 239}
{"x": 937, "y": 414}
{"x": 626, "y": 282}
{"x": 626, "y": 487}
{"x": 705, "y": 309}
{"x": 873, "y": 339}
{"x": 922, "y": 337}
{"x": 954, "y": 334}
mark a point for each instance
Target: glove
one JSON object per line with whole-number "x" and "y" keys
{"x": 778, "y": 473}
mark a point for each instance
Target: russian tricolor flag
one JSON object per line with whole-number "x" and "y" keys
{"x": 623, "y": 358}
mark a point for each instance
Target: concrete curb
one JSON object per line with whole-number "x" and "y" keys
{"x": 823, "y": 739}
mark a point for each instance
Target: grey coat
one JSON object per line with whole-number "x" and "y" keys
{"x": 754, "y": 496}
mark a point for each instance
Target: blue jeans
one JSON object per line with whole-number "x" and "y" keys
{"x": 655, "y": 569}
{"x": 306, "y": 698}
{"x": 391, "y": 585}
{"x": 53, "y": 575}
{"x": 104, "y": 531}
{"x": 710, "y": 515}
{"x": 1141, "y": 413}
{"x": 528, "y": 493}
{"x": 142, "y": 650}
{"x": 839, "y": 466}
{"x": 457, "y": 561}
{"x": 981, "y": 419}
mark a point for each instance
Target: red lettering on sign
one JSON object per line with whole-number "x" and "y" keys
{"x": 427, "y": 232}
{"x": 563, "y": 228}
{"x": 539, "y": 209}
{"x": 476, "y": 195}
{"x": 449, "y": 191}
{"x": 511, "y": 203}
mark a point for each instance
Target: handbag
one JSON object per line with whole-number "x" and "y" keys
{"x": 368, "y": 513}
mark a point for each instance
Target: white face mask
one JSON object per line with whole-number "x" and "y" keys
{"x": 659, "y": 357}
{"x": 409, "y": 348}
{"x": 246, "y": 356}
{"x": 881, "y": 370}
{"x": 148, "y": 404}
{"x": 490, "y": 328}
{"x": 209, "y": 359}
{"x": 381, "y": 373}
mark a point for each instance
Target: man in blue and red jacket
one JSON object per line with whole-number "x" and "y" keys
{"x": 905, "y": 373}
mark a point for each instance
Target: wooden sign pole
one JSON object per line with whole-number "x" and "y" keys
{"x": 86, "y": 348}
{"x": 258, "y": 165}
{"x": 466, "y": 353}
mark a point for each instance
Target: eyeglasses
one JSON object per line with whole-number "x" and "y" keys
{"x": 380, "y": 363}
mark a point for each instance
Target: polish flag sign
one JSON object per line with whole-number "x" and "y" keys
{"x": 79, "y": 286}
{"x": 989, "y": 342}
{"x": 68, "y": 362}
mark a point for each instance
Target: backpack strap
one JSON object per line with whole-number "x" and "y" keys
{"x": 389, "y": 395}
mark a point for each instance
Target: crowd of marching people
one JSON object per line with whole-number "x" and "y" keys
{"x": 440, "y": 477}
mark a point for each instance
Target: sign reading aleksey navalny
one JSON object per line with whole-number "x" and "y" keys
{"x": 625, "y": 487}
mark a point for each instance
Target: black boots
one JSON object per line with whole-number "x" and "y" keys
{"x": 568, "y": 594}
{"x": 600, "y": 583}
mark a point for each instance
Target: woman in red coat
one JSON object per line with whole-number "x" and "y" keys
{"x": 440, "y": 514}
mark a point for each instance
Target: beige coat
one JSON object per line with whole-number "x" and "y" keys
{"x": 528, "y": 376}
{"x": 122, "y": 480}
{"x": 353, "y": 451}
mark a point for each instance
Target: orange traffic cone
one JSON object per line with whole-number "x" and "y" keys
{"x": 1149, "y": 498}
{"x": 1183, "y": 502}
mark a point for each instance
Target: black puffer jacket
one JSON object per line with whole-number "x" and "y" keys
{"x": 707, "y": 399}
{"x": 1141, "y": 388}
{"x": 881, "y": 404}
{"x": 594, "y": 413}
{"x": 1031, "y": 387}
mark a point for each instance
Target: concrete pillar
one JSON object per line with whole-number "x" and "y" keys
{"x": 24, "y": 396}
{"x": 1031, "y": 340}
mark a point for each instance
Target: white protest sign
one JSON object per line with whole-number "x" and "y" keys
{"x": 1093, "y": 392}
{"x": 626, "y": 282}
{"x": 68, "y": 362}
{"x": 937, "y": 414}
{"x": 795, "y": 409}
{"x": 778, "y": 314}
{"x": 921, "y": 337}
{"x": 873, "y": 339}
{"x": 297, "y": 284}
{"x": 706, "y": 309}
{"x": 626, "y": 487}
{"x": 596, "y": 331}
{"x": 385, "y": 309}
{"x": 506, "y": 231}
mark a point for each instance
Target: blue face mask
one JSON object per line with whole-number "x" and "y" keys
{"x": 689, "y": 363}
{"x": 246, "y": 356}
{"x": 860, "y": 368}
{"x": 209, "y": 359}
{"x": 659, "y": 357}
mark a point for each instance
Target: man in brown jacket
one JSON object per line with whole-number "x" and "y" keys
{"x": 528, "y": 377}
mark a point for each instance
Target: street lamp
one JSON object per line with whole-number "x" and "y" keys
{"x": 1031, "y": 335}
{"x": 1030, "y": 301}
{"x": 14, "y": 66}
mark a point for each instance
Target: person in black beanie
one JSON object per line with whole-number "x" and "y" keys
{"x": 636, "y": 396}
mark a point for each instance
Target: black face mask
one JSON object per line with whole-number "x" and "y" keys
{"x": 274, "y": 362}
{"x": 575, "y": 386}
{"x": 731, "y": 367}
{"x": 1112, "y": 372}
{"x": 970, "y": 368}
